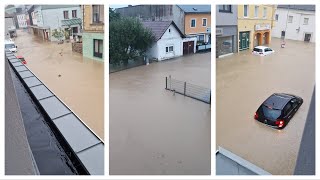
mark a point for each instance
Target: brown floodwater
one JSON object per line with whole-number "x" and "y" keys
{"x": 243, "y": 82}
{"x": 76, "y": 80}
{"x": 153, "y": 131}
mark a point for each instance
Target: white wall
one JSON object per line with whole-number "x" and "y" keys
{"x": 298, "y": 20}
{"x": 171, "y": 38}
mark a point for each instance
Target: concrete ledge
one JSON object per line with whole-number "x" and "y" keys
{"x": 242, "y": 162}
{"x": 85, "y": 144}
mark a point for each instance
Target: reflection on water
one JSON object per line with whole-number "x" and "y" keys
{"x": 244, "y": 81}
{"x": 76, "y": 80}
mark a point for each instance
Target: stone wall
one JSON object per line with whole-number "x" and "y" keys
{"x": 77, "y": 47}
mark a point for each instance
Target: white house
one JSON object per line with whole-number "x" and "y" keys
{"x": 295, "y": 22}
{"x": 49, "y": 18}
{"x": 169, "y": 40}
{"x": 22, "y": 21}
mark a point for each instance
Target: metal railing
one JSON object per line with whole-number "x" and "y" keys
{"x": 190, "y": 90}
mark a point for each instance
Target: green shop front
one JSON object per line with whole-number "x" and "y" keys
{"x": 92, "y": 45}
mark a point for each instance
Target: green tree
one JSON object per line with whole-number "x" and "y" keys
{"x": 113, "y": 15}
{"x": 58, "y": 33}
{"x": 128, "y": 39}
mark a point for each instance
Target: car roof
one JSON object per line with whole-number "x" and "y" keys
{"x": 8, "y": 42}
{"x": 261, "y": 47}
{"x": 278, "y": 100}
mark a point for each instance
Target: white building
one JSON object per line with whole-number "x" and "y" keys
{"x": 169, "y": 40}
{"x": 22, "y": 21}
{"x": 297, "y": 21}
{"x": 49, "y": 18}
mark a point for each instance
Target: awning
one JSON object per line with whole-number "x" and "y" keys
{"x": 70, "y": 22}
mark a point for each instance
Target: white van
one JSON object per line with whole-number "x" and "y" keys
{"x": 10, "y": 45}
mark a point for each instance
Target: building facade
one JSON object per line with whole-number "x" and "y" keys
{"x": 226, "y": 30}
{"x": 22, "y": 21}
{"x": 93, "y": 32}
{"x": 197, "y": 22}
{"x": 47, "y": 19}
{"x": 254, "y": 25}
{"x": 295, "y": 22}
{"x": 9, "y": 26}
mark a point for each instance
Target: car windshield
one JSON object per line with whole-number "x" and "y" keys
{"x": 271, "y": 114}
{"x": 257, "y": 49}
{"x": 10, "y": 46}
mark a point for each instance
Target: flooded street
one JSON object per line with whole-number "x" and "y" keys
{"x": 244, "y": 81}
{"x": 153, "y": 131}
{"x": 75, "y": 80}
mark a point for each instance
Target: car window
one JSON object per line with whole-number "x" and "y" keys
{"x": 271, "y": 114}
{"x": 287, "y": 109}
{"x": 294, "y": 102}
{"x": 269, "y": 49}
{"x": 257, "y": 50}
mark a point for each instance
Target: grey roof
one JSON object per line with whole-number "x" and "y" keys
{"x": 158, "y": 28}
{"x": 299, "y": 7}
{"x": 196, "y": 8}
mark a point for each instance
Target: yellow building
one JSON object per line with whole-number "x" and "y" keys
{"x": 254, "y": 25}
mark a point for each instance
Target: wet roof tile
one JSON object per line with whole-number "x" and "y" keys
{"x": 21, "y": 68}
{"x": 33, "y": 81}
{"x": 41, "y": 92}
{"x": 25, "y": 74}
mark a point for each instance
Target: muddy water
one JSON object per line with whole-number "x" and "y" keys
{"x": 80, "y": 84}
{"x": 153, "y": 131}
{"x": 243, "y": 82}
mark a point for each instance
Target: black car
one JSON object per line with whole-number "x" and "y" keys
{"x": 278, "y": 109}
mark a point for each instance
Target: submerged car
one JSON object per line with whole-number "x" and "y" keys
{"x": 262, "y": 51}
{"x": 22, "y": 59}
{"x": 278, "y": 109}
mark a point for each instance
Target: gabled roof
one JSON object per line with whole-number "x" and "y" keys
{"x": 158, "y": 28}
{"x": 299, "y": 7}
{"x": 196, "y": 8}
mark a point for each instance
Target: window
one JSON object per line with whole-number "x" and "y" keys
{"x": 287, "y": 109}
{"x": 245, "y": 10}
{"x": 277, "y": 17}
{"x": 96, "y": 14}
{"x": 225, "y": 8}
{"x": 305, "y": 21}
{"x": 74, "y": 13}
{"x": 97, "y": 47}
{"x": 271, "y": 114}
{"x": 264, "y": 12}
{"x": 65, "y": 15}
{"x": 204, "y": 22}
{"x": 75, "y": 29}
{"x": 201, "y": 38}
{"x": 169, "y": 49}
{"x": 169, "y": 30}
{"x": 256, "y": 11}
{"x": 290, "y": 19}
{"x": 193, "y": 22}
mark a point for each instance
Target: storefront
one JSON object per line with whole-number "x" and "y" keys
{"x": 261, "y": 34}
{"x": 225, "y": 41}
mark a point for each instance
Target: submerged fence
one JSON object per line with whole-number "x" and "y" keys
{"x": 190, "y": 90}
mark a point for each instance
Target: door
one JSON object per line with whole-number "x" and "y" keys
{"x": 307, "y": 37}
{"x": 188, "y": 47}
{"x": 244, "y": 40}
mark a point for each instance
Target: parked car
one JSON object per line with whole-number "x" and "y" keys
{"x": 278, "y": 109}
{"x": 262, "y": 51}
{"x": 22, "y": 59}
{"x": 9, "y": 44}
